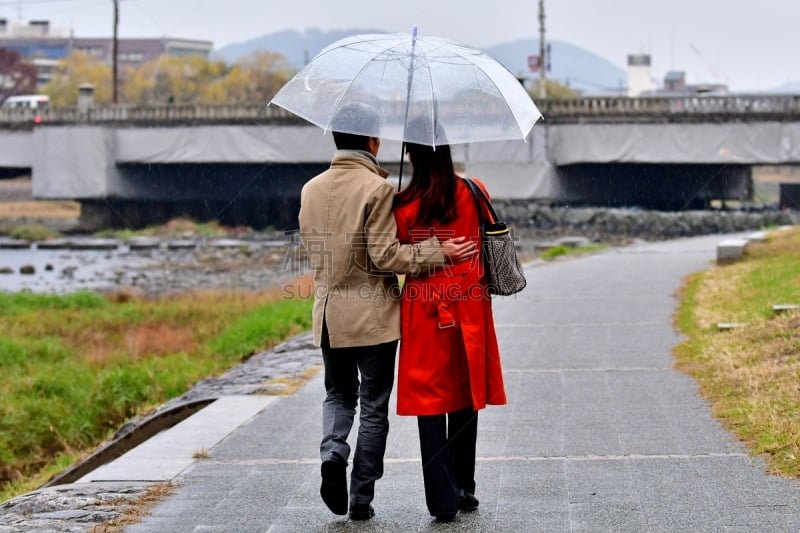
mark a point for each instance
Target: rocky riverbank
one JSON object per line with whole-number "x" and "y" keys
{"x": 536, "y": 221}
{"x": 148, "y": 265}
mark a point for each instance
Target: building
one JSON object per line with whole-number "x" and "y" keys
{"x": 640, "y": 80}
{"x": 134, "y": 52}
{"x": 642, "y": 84}
{"x": 43, "y": 46}
{"x": 675, "y": 81}
{"x": 675, "y": 85}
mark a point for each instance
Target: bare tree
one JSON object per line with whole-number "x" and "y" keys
{"x": 16, "y": 76}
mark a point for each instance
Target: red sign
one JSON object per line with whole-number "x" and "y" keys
{"x": 534, "y": 63}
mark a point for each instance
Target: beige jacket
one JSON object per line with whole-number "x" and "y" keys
{"x": 349, "y": 233}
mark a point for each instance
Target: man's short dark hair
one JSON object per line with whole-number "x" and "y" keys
{"x": 352, "y": 118}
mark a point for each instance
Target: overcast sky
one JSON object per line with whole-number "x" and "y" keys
{"x": 750, "y": 45}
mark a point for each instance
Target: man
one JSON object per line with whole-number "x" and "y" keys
{"x": 349, "y": 233}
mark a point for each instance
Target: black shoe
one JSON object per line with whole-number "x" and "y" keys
{"x": 445, "y": 517}
{"x": 362, "y": 511}
{"x": 467, "y": 501}
{"x": 334, "y": 486}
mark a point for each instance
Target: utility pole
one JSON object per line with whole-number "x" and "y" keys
{"x": 114, "y": 44}
{"x": 542, "y": 51}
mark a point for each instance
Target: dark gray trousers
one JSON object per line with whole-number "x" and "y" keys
{"x": 344, "y": 391}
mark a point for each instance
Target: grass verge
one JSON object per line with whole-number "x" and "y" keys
{"x": 562, "y": 250}
{"x": 76, "y": 367}
{"x": 174, "y": 228}
{"x": 750, "y": 374}
{"x": 29, "y": 232}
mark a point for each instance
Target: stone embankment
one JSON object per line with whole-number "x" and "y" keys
{"x": 533, "y": 220}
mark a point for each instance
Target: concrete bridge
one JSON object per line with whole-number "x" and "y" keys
{"x": 246, "y": 163}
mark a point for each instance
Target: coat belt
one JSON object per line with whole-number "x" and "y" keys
{"x": 440, "y": 304}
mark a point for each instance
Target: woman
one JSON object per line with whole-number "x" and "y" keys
{"x": 449, "y": 365}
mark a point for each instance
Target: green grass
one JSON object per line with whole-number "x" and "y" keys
{"x": 248, "y": 334}
{"x": 29, "y": 232}
{"x": 561, "y": 250}
{"x": 751, "y": 374}
{"x": 77, "y": 367}
{"x": 173, "y": 228}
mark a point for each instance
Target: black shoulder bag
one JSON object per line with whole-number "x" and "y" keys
{"x": 503, "y": 270}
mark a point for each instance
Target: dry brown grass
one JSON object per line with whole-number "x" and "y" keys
{"x": 202, "y": 453}
{"x": 288, "y": 385}
{"x": 138, "y": 341}
{"x": 777, "y": 174}
{"x": 160, "y": 338}
{"x": 133, "y": 512}
{"x": 33, "y": 209}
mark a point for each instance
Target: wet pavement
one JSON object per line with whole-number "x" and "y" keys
{"x": 600, "y": 432}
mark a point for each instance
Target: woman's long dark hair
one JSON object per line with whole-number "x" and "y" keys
{"x": 433, "y": 181}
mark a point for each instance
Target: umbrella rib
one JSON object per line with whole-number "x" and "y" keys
{"x": 349, "y": 85}
{"x": 433, "y": 104}
{"x": 505, "y": 101}
{"x": 357, "y": 74}
{"x": 367, "y": 38}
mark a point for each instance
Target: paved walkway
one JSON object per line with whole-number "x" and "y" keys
{"x": 600, "y": 433}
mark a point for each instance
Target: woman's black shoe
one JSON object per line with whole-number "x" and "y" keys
{"x": 467, "y": 501}
{"x": 446, "y": 517}
{"x": 361, "y": 512}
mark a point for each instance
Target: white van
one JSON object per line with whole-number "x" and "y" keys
{"x": 29, "y": 101}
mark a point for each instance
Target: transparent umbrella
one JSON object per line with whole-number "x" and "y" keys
{"x": 426, "y": 90}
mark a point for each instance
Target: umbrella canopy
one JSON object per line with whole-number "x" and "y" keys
{"x": 426, "y": 90}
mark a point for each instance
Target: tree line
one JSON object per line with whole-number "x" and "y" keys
{"x": 16, "y": 76}
{"x": 255, "y": 78}
{"x": 164, "y": 80}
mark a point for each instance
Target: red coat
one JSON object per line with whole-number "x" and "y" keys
{"x": 449, "y": 359}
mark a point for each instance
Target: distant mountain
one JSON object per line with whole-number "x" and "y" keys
{"x": 580, "y": 69}
{"x": 571, "y": 65}
{"x": 295, "y": 46}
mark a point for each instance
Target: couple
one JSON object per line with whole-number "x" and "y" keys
{"x": 358, "y": 233}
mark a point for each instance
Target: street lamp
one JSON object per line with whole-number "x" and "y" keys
{"x": 114, "y": 44}
{"x": 542, "y": 51}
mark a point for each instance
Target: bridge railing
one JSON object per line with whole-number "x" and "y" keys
{"x": 708, "y": 108}
{"x": 157, "y": 114}
{"x": 674, "y": 108}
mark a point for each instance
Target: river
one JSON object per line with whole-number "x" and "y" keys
{"x": 148, "y": 265}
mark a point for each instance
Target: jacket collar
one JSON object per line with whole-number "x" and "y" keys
{"x": 360, "y": 158}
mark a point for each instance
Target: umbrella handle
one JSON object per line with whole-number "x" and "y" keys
{"x": 402, "y": 159}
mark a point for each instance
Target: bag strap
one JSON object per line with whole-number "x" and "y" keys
{"x": 480, "y": 199}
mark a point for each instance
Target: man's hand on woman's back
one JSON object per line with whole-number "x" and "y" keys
{"x": 459, "y": 249}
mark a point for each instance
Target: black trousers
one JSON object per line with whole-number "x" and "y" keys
{"x": 343, "y": 367}
{"x": 447, "y": 445}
